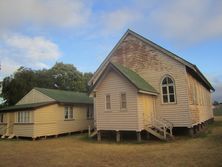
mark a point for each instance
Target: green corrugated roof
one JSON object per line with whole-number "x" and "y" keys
{"x": 63, "y": 96}
{"x": 25, "y": 106}
{"x": 133, "y": 77}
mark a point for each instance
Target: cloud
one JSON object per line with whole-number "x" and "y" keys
{"x": 116, "y": 20}
{"x": 20, "y": 50}
{"x": 60, "y": 13}
{"x": 191, "y": 21}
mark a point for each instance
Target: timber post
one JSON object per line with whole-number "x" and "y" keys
{"x": 191, "y": 132}
{"x": 99, "y": 135}
{"x": 117, "y": 136}
{"x": 138, "y": 134}
{"x": 89, "y": 131}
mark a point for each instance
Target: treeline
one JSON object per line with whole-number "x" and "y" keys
{"x": 60, "y": 76}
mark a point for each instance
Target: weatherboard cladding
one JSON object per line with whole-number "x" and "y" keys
{"x": 155, "y": 46}
{"x": 116, "y": 119}
{"x": 152, "y": 65}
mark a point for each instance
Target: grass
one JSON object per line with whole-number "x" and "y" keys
{"x": 218, "y": 111}
{"x": 203, "y": 150}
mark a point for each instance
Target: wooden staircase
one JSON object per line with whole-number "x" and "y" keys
{"x": 92, "y": 133}
{"x": 161, "y": 129}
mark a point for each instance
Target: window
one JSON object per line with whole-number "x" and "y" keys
{"x": 1, "y": 118}
{"x": 168, "y": 90}
{"x": 68, "y": 112}
{"x": 24, "y": 117}
{"x": 108, "y": 102}
{"x": 89, "y": 113}
{"x": 123, "y": 101}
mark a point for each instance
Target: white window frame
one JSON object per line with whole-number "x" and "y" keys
{"x": 121, "y": 101}
{"x": 168, "y": 94}
{"x": 89, "y": 113}
{"x": 24, "y": 117}
{"x": 1, "y": 118}
{"x": 108, "y": 109}
{"x": 68, "y": 113}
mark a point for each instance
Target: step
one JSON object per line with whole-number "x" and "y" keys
{"x": 11, "y": 136}
{"x": 93, "y": 133}
{"x": 3, "y": 136}
{"x": 158, "y": 135}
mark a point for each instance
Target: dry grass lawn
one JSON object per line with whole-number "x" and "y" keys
{"x": 76, "y": 150}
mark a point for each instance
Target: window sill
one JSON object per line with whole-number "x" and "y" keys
{"x": 23, "y": 123}
{"x": 123, "y": 110}
{"x": 2, "y": 123}
{"x": 169, "y": 103}
{"x": 89, "y": 119}
{"x": 69, "y": 119}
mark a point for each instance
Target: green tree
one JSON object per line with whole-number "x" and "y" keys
{"x": 60, "y": 76}
{"x": 16, "y": 86}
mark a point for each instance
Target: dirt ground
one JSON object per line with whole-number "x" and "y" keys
{"x": 203, "y": 150}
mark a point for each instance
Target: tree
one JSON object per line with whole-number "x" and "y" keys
{"x": 16, "y": 86}
{"x": 60, "y": 76}
{"x": 66, "y": 77}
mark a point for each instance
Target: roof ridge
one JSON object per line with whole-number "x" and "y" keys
{"x": 71, "y": 91}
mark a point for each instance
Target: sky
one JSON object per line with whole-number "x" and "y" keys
{"x": 38, "y": 33}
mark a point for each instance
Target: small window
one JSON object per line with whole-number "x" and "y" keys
{"x": 24, "y": 117}
{"x": 89, "y": 113}
{"x": 168, "y": 90}
{"x": 108, "y": 102}
{"x": 68, "y": 112}
{"x": 123, "y": 101}
{"x": 1, "y": 118}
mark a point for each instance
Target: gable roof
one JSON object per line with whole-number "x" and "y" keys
{"x": 22, "y": 107}
{"x": 189, "y": 65}
{"x": 60, "y": 96}
{"x": 64, "y": 96}
{"x": 132, "y": 77}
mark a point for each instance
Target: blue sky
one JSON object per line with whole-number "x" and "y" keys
{"x": 37, "y": 33}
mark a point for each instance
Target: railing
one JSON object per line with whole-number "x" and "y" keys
{"x": 160, "y": 126}
{"x": 163, "y": 126}
{"x": 169, "y": 126}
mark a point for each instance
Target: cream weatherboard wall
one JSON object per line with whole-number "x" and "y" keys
{"x": 34, "y": 96}
{"x": 116, "y": 119}
{"x": 49, "y": 120}
{"x": 153, "y": 65}
{"x": 199, "y": 101}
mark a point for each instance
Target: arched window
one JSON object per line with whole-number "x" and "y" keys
{"x": 168, "y": 90}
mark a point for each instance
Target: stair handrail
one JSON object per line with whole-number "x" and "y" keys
{"x": 170, "y": 127}
{"x": 168, "y": 122}
{"x": 163, "y": 126}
